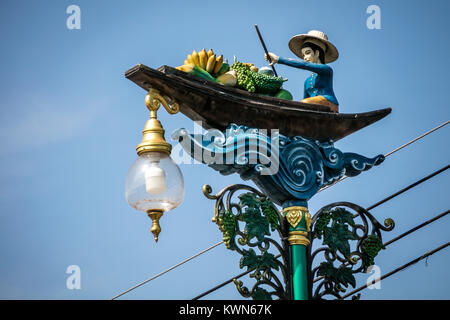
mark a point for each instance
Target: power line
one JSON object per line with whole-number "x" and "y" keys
{"x": 201, "y": 252}
{"x": 226, "y": 282}
{"x": 395, "y": 150}
{"x": 399, "y": 269}
{"x": 369, "y": 208}
{"x": 319, "y": 278}
{"x": 404, "y": 234}
{"x": 408, "y": 187}
{"x": 165, "y": 271}
{"x": 418, "y": 138}
{"x": 416, "y": 228}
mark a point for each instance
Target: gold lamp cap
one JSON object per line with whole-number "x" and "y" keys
{"x": 153, "y": 133}
{"x": 153, "y": 138}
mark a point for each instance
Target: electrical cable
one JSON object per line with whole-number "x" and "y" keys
{"x": 319, "y": 278}
{"x": 416, "y": 228}
{"x": 404, "y": 234}
{"x": 395, "y": 150}
{"x": 426, "y": 255}
{"x": 369, "y": 208}
{"x": 227, "y": 282}
{"x": 408, "y": 187}
{"x": 215, "y": 245}
{"x": 167, "y": 270}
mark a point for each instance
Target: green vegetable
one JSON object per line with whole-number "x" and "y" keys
{"x": 244, "y": 76}
{"x": 199, "y": 72}
{"x": 196, "y": 71}
{"x": 267, "y": 84}
{"x": 254, "y": 81}
{"x": 284, "y": 94}
{"x": 223, "y": 69}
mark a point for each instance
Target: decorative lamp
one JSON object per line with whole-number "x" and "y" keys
{"x": 154, "y": 183}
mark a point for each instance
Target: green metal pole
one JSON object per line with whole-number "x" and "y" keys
{"x": 299, "y": 221}
{"x": 299, "y": 272}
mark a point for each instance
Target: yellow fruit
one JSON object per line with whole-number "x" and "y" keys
{"x": 186, "y": 62}
{"x": 189, "y": 58}
{"x": 203, "y": 58}
{"x": 211, "y": 63}
{"x": 210, "y": 53}
{"x": 254, "y": 69}
{"x": 186, "y": 67}
{"x": 219, "y": 62}
{"x": 195, "y": 58}
{"x": 228, "y": 79}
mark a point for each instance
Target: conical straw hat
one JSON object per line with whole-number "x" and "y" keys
{"x": 318, "y": 38}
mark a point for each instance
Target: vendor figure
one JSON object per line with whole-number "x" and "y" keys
{"x": 315, "y": 49}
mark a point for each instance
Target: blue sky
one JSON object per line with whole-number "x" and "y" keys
{"x": 70, "y": 121}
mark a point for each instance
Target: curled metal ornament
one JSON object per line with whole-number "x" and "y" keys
{"x": 207, "y": 192}
{"x": 246, "y": 218}
{"x": 154, "y": 99}
{"x": 349, "y": 233}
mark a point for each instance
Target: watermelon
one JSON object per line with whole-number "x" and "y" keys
{"x": 284, "y": 94}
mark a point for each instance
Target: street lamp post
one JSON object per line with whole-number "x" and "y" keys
{"x": 288, "y": 170}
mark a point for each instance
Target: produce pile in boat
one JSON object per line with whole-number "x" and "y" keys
{"x": 245, "y": 76}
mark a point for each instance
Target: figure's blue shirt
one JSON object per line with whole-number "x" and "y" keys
{"x": 320, "y": 83}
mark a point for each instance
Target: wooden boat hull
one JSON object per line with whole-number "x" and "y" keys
{"x": 217, "y": 106}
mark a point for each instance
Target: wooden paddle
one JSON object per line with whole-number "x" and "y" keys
{"x": 265, "y": 49}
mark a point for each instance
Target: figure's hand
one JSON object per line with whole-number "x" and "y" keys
{"x": 273, "y": 57}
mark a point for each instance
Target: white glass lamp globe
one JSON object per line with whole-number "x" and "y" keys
{"x": 154, "y": 183}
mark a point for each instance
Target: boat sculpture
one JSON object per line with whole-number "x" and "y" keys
{"x": 217, "y": 106}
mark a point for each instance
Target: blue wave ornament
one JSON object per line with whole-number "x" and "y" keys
{"x": 285, "y": 168}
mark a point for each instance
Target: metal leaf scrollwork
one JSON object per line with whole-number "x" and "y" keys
{"x": 246, "y": 223}
{"x": 351, "y": 239}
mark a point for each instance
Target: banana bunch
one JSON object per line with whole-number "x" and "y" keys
{"x": 207, "y": 61}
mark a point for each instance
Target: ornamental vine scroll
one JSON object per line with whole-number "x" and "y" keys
{"x": 351, "y": 240}
{"x": 246, "y": 218}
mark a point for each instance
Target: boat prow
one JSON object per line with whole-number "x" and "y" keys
{"x": 217, "y": 106}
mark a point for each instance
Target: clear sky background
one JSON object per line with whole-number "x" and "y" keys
{"x": 70, "y": 122}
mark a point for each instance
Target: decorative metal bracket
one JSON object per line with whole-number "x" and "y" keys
{"x": 248, "y": 223}
{"x": 154, "y": 99}
{"x": 351, "y": 240}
